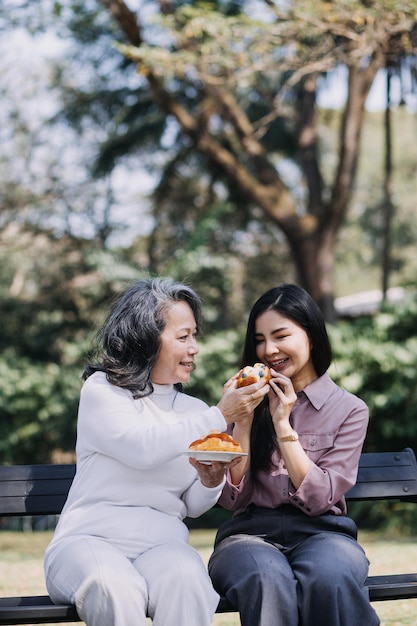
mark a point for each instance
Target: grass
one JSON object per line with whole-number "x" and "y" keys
{"x": 21, "y": 569}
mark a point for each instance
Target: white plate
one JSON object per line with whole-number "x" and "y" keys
{"x": 214, "y": 455}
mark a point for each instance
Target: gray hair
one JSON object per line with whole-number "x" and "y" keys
{"x": 130, "y": 338}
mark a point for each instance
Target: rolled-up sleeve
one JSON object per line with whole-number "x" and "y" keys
{"x": 335, "y": 472}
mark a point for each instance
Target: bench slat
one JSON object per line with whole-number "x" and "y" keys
{"x": 35, "y": 610}
{"x": 35, "y": 472}
{"x": 386, "y": 476}
{"x": 32, "y": 505}
{"x": 392, "y": 587}
{"x": 34, "y": 489}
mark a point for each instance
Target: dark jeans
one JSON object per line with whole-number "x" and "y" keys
{"x": 283, "y": 568}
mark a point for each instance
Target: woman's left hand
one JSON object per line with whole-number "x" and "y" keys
{"x": 212, "y": 475}
{"x": 282, "y": 398}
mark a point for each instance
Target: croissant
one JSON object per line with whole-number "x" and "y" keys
{"x": 216, "y": 441}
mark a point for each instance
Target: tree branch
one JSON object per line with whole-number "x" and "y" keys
{"x": 126, "y": 19}
{"x": 360, "y": 81}
{"x": 307, "y": 144}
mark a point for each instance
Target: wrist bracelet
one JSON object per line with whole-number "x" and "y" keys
{"x": 292, "y": 437}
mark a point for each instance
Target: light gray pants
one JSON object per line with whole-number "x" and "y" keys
{"x": 169, "y": 583}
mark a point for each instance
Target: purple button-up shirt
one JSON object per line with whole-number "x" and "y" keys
{"x": 331, "y": 425}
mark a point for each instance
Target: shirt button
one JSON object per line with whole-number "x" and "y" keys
{"x": 313, "y": 442}
{"x": 284, "y": 492}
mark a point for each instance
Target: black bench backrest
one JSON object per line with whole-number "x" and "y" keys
{"x": 386, "y": 476}
{"x": 43, "y": 489}
{"x": 34, "y": 489}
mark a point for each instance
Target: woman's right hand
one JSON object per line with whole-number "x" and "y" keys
{"x": 238, "y": 404}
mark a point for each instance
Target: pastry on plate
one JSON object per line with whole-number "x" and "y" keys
{"x": 216, "y": 441}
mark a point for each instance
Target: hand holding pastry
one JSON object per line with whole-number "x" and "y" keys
{"x": 282, "y": 398}
{"x": 240, "y": 400}
{"x": 212, "y": 474}
{"x": 254, "y": 373}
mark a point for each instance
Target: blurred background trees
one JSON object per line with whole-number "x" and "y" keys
{"x": 225, "y": 144}
{"x": 241, "y": 86}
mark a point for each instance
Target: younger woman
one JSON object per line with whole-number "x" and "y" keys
{"x": 289, "y": 556}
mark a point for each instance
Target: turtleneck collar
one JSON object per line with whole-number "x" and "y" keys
{"x": 162, "y": 390}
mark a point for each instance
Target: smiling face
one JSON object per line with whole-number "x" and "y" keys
{"x": 284, "y": 346}
{"x": 175, "y": 360}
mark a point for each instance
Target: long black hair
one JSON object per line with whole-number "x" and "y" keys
{"x": 130, "y": 338}
{"x": 296, "y": 304}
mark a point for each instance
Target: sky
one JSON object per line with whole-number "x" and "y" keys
{"x": 333, "y": 91}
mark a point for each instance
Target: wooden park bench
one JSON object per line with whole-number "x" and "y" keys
{"x": 42, "y": 490}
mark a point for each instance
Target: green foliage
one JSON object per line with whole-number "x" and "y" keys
{"x": 53, "y": 292}
{"x": 376, "y": 358}
{"x": 397, "y": 518}
{"x": 38, "y": 409}
{"x": 217, "y": 361}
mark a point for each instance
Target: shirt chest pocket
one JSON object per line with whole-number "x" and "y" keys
{"x": 316, "y": 444}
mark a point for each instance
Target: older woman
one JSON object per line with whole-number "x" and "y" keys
{"x": 120, "y": 550}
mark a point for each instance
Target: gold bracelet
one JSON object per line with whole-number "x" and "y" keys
{"x": 293, "y": 437}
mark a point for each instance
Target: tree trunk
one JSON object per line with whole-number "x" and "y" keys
{"x": 315, "y": 259}
{"x": 388, "y": 206}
